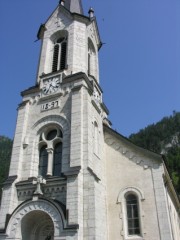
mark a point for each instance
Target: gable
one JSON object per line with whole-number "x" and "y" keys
{"x": 132, "y": 152}
{"x": 59, "y": 19}
{"x": 93, "y": 33}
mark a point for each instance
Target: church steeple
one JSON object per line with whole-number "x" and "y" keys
{"x": 74, "y": 6}
{"x": 70, "y": 42}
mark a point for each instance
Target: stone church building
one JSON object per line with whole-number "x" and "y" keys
{"x": 72, "y": 177}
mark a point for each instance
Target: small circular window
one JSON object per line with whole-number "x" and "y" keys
{"x": 51, "y": 135}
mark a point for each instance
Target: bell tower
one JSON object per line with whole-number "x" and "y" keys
{"x": 70, "y": 42}
{"x": 56, "y": 184}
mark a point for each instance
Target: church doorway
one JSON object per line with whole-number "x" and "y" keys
{"x": 37, "y": 225}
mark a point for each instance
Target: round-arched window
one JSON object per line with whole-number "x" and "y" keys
{"x": 132, "y": 207}
{"x": 50, "y": 152}
{"x": 59, "y": 54}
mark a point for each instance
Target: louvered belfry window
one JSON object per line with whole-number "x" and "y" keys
{"x": 63, "y": 56}
{"x": 55, "y": 58}
{"x": 59, "y": 55}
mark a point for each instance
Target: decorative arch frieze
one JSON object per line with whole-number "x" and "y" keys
{"x": 59, "y": 120}
{"x": 52, "y": 119}
{"x": 130, "y": 154}
{"x": 13, "y": 230}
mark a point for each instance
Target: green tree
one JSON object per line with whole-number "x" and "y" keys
{"x": 5, "y": 155}
{"x": 163, "y": 137}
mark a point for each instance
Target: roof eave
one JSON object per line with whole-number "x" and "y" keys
{"x": 170, "y": 186}
{"x": 152, "y": 154}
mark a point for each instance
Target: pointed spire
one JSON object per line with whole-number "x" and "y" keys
{"x": 74, "y": 6}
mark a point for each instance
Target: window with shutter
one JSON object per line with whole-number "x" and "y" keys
{"x": 59, "y": 54}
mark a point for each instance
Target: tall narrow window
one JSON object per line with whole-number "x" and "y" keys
{"x": 63, "y": 56}
{"x": 57, "y": 159}
{"x": 59, "y": 54}
{"x": 132, "y": 214}
{"x": 96, "y": 139}
{"x": 43, "y": 161}
{"x": 92, "y": 59}
{"x": 55, "y": 58}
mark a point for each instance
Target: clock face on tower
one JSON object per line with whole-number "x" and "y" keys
{"x": 51, "y": 85}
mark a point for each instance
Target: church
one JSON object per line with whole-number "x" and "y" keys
{"x": 72, "y": 177}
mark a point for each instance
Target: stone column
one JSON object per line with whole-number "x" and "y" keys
{"x": 50, "y": 161}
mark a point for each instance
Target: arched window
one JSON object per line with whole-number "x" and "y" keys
{"x": 43, "y": 161}
{"x": 59, "y": 54}
{"x": 50, "y": 152}
{"x": 96, "y": 138}
{"x": 55, "y": 58}
{"x": 92, "y": 59}
{"x": 57, "y": 159}
{"x": 133, "y": 221}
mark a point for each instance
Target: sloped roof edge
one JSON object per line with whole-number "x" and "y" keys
{"x": 157, "y": 156}
{"x": 42, "y": 27}
{"x": 170, "y": 186}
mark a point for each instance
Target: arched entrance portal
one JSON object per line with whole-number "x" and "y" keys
{"x": 37, "y": 225}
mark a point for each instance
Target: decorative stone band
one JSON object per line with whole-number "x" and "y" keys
{"x": 55, "y": 188}
{"x": 9, "y": 181}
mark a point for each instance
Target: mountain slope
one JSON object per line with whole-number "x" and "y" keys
{"x": 163, "y": 137}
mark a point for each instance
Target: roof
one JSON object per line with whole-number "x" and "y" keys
{"x": 150, "y": 153}
{"x": 74, "y": 6}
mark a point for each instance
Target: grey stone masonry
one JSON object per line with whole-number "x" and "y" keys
{"x": 71, "y": 174}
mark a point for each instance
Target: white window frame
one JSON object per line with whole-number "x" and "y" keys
{"x": 122, "y": 200}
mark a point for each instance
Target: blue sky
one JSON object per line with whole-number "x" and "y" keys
{"x": 139, "y": 62}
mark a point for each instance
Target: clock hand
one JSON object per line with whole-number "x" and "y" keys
{"x": 49, "y": 87}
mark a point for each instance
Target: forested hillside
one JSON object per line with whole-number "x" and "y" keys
{"x": 5, "y": 155}
{"x": 163, "y": 137}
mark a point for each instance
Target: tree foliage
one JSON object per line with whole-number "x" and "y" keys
{"x": 5, "y": 155}
{"x": 163, "y": 137}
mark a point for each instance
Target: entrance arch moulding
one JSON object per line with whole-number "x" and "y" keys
{"x": 13, "y": 230}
